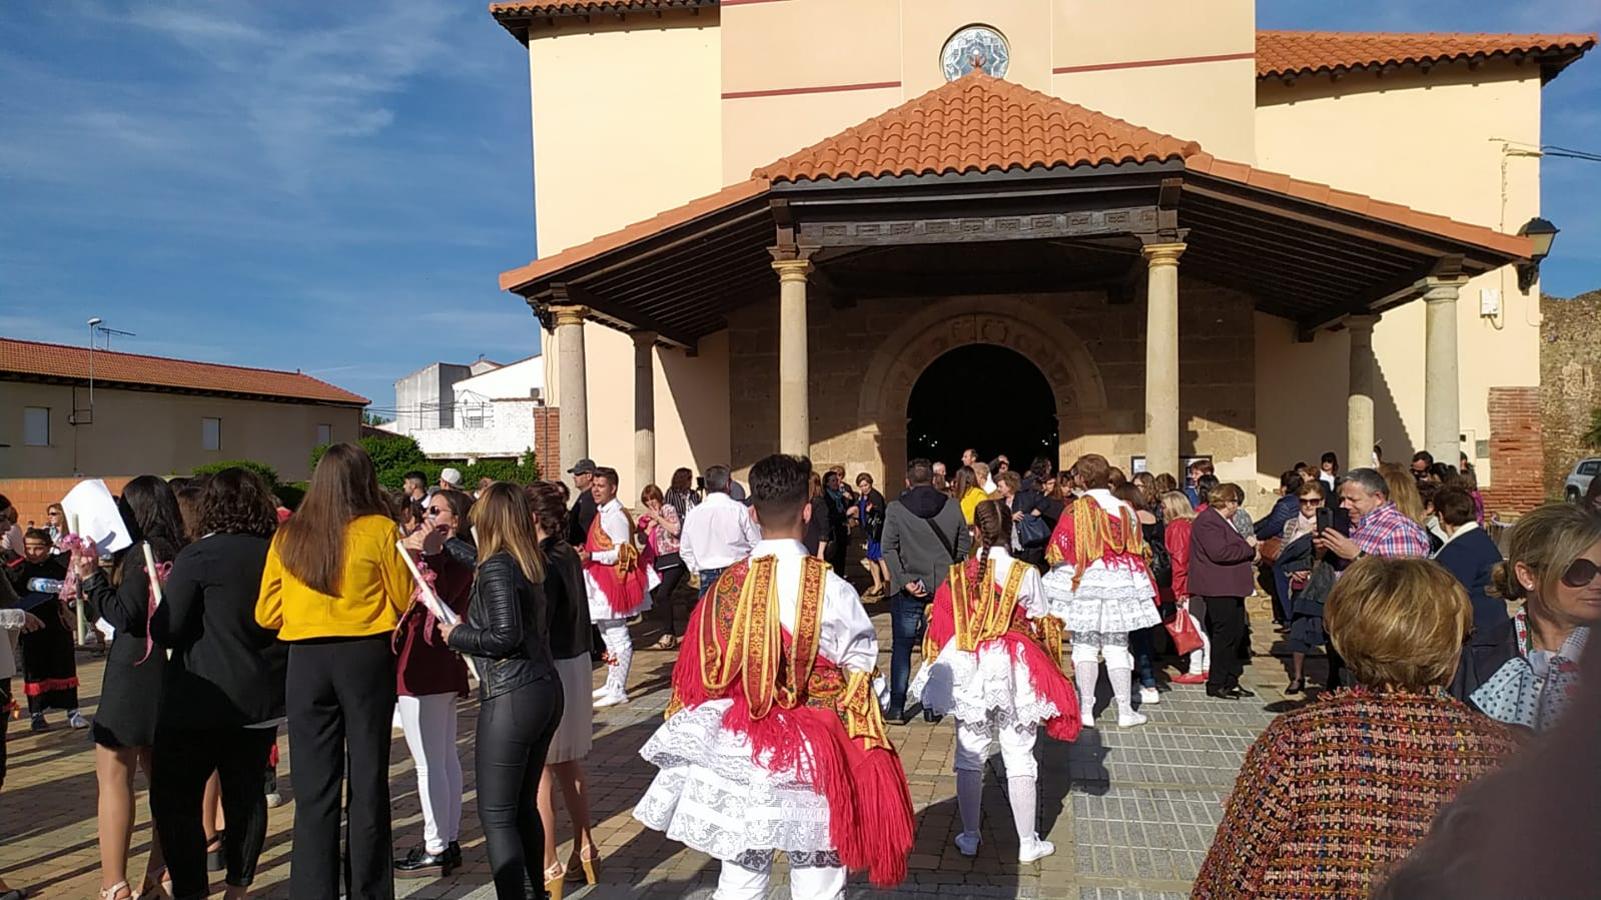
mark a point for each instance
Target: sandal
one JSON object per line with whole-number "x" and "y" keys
{"x": 583, "y": 867}
{"x": 215, "y": 862}
{"x": 161, "y": 890}
{"x": 118, "y": 891}
{"x": 555, "y": 880}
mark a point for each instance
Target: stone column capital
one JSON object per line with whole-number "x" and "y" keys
{"x": 1442, "y": 290}
{"x": 1158, "y": 255}
{"x": 569, "y": 315}
{"x": 792, "y": 269}
{"x": 644, "y": 339}
{"x": 1361, "y": 324}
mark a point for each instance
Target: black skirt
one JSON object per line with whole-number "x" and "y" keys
{"x": 130, "y": 694}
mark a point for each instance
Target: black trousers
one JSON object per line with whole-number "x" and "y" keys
{"x": 341, "y": 698}
{"x": 838, "y": 547}
{"x": 1225, "y": 625}
{"x": 183, "y": 762}
{"x": 662, "y": 598}
{"x": 514, "y": 732}
{"x": 5, "y": 720}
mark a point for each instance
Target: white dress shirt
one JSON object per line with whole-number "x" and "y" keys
{"x": 845, "y": 635}
{"x": 717, "y": 533}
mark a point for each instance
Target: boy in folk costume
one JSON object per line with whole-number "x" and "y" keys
{"x": 774, "y": 739}
{"x": 994, "y": 662}
{"x": 617, "y": 581}
{"x": 1100, "y": 588}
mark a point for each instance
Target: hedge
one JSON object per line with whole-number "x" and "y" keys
{"x": 395, "y": 455}
{"x": 267, "y": 473}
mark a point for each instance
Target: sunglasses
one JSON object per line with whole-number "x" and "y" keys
{"x": 1580, "y": 573}
{"x": 430, "y": 512}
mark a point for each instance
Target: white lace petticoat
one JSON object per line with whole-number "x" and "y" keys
{"x": 1109, "y": 599}
{"x": 711, "y": 796}
{"x": 988, "y": 684}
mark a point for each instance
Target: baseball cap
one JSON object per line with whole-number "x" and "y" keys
{"x": 451, "y": 476}
{"x": 585, "y": 466}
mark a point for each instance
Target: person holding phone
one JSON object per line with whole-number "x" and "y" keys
{"x": 1301, "y": 562}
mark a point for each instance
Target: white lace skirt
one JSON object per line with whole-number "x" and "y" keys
{"x": 710, "y": 796}
{"x": 1109, "y": 599}
{"x": 600, "y": 608}
{"x": 988, "y": 684}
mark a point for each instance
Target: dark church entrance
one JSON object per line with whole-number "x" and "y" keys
{"x": 986, "y": 397}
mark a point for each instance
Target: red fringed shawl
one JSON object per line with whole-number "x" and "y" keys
{"x": 800, "y": 710}
{"x": 969, "y": 610}
{"x": 1087, "y": 533}
{"x": 623, "y": 583}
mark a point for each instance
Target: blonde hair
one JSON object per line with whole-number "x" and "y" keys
{"x": 1547, "y": 540}
{"x": 1403, "y": 491}
{"x": 981, "y": 473}
{"x": 1176, "y": 506}
{"x": 1399, "y": 622}
{"x": 503, "y": 522}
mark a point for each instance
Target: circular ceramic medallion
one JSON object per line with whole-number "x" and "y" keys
{"x": 978, "y": 44}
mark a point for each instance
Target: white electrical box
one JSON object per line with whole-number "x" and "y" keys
{"x": 1489, "y": 301}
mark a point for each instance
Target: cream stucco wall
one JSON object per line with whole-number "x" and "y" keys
{"x": 148, "y": 432}
{"x": 1452, "y": 141}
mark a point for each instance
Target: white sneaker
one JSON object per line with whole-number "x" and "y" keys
{"x": 1130, "y": 719}
{"x": 76, "y": 720}
{"x": 1150, "y": 696}
{"x": 601, "y": 691}
{"x": 1086, "y": 715}
{"x": 967, "y": 844}
{"x": 610, "y": 698}
{"x": 1035, "y": 849}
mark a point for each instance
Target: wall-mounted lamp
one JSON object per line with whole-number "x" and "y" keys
{"x": 1541, "y": 233}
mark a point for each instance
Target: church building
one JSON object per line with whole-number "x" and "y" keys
{"x": 868, "y": 230}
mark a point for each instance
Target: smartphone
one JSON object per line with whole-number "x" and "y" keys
{"x": 1325, "y": 519}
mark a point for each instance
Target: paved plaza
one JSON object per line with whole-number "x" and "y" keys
{"x": 1131, "y": 810}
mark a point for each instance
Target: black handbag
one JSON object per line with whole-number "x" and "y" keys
{"x": 1033, "y": 532}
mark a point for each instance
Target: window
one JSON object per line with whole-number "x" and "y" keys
{"x": 36, "y": 426}
{"x": 1592, "y": 467}
{"x": 325, "y": 435}
{"x": 210, "y": 434}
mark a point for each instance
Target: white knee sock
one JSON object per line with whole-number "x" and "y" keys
{"x": 970, "y": 798}
{"x": 1122, "y": 688}
{"x": 1024, "y": 791}
{"x": 1087, "y": 671}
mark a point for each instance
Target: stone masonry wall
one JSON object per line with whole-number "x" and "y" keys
{"x": 1570, "y": 382}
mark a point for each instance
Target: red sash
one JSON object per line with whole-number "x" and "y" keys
{"x": 1086, "y": 533}
{"x": 625, "y": 582}
{"x": 799, "y": 710}
{"x": 973, "y": 617}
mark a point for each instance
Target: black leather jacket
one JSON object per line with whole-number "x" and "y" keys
{"x": 507, "y": 628}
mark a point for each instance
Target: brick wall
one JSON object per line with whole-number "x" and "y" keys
{"x": 32, "y": 496}
{"x": 1570, "y": 381}
{"x": 547, "y": 442}
{"x": 1517, "y": 454}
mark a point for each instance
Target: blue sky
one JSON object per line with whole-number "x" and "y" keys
{"x": 334, "y": 186}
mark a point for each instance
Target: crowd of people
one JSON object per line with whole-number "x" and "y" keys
{"x": 228, "y": 616}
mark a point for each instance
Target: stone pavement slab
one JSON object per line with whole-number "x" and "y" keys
{"x": 1131, "y": 811}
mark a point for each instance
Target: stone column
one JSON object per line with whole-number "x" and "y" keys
{"x": 1162, "y": 358}
{"x": 1359, "y": 399}
{"x": 573, "y": 404}
{"x": 644, "y": 409}
{"x": 1442, "y": 423}
{"x": 794, "y": 413}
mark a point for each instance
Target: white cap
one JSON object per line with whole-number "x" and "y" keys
{"x": 451, "y": 476}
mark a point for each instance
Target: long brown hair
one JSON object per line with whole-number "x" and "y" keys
{"x": 993, "y": 523}
{"x": 311, "y": 542}
{"x": 505, "y": 524}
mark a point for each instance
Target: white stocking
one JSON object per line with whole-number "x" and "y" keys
{"x": 1201, "y": 657}
{"x": 621, "y": 647}
{"x": 1024, "y": 791}
{"x": 969, "y": 798}
{"x": 1122, "y": 687}
{"x": 1087, "y": 673}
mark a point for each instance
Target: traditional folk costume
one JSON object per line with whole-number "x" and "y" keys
{"x": 993, "y": 660}
{"x": 774, "y": 739}
{"x": 49, "y": 663}
{"x": 1101, "y": 590}
{"x": 618, "y": 583}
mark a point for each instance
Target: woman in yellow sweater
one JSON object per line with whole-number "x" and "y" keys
{"x": 334, "y": 588}
{"x": 965, "y": 488}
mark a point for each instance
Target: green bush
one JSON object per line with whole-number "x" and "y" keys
{"x": 267, "y": 473}
{"x": 395, "y": 455}
{"x": 290, "y": 495}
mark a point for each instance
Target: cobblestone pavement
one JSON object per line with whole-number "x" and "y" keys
{"x": 1131, "y": 811}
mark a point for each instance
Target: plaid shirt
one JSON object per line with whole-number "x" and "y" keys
{"x": 1387, "y": 531}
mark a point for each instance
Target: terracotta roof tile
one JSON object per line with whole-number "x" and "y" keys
{"x": 1303, "y": 52}
{"x": 977, "y": 124}
{"x": 586, "y": 7}
{"x": 33, "y": 358}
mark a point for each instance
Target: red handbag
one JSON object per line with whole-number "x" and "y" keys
{"x": 1186, "y": 639}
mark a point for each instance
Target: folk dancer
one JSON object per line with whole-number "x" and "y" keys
{"x": 774, "y": 739}
{"x": 617, "y": 581}
{"x": 993, "y": 659}
{"x": 1100, "y": 588}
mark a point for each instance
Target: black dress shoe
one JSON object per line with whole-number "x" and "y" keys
{"x": 931, "y": 717}
{"x": 1222, "y": 693}
{"x": 455, "y": 852}
{"x": 1296, "y": 686}
{"x": 1242, "y": 691}
{"x": 897, "y": 716}
{"x": 419, "y": 858}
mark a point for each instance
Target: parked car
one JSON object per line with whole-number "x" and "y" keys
{"x": 1584, "y": 471}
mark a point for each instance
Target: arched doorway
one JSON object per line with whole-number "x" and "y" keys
{"x": 984, "y": 396}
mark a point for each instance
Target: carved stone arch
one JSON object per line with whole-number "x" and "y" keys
{"x": 945, "y": 324}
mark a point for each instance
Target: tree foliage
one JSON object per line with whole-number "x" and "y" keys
{"x": 267, "y": 473}
{"x": 395, "y": 455}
